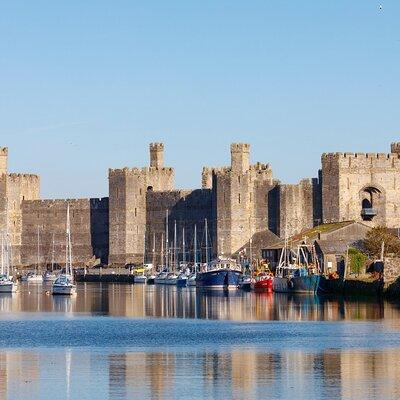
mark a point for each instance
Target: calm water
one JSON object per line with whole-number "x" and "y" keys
{"x": 152, "y": 342}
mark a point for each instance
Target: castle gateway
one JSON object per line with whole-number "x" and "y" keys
{"x": 239, "y": 202}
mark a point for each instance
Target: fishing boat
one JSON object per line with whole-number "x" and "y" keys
{"x": 262, "y": 283}
{"x": 221, "y": 273}
{"x": 6, "y": 283}
{"x": 64, "y": 284}
{"x": 297, "y": 276}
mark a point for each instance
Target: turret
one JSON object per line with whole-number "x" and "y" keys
{"x": 157, "y": 155}
{"x": 395, "y": 147}
{"x": 3, "y": 160}
{"x": 240, "y": 157}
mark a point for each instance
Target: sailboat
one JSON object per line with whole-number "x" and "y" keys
{"x": 182, "y": 277}
{"x": 191, "y": 281}
{"x": 152, "y": 276}
{"x": 64, "y": 284}
{"x": 36, "y": 276}
{"x": 50, "y": 276}
{"x": 6, "y": 284}
{"x": 142, "y": 278}
{"x": 172, "y": 276}
{"x": 162, "y": 276}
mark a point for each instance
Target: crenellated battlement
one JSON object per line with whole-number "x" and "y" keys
{"x": 139, "y": 170}
{"x": 3, "y": 151}
{"x": 29, "y": 177}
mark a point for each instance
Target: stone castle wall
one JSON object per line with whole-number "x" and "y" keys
{"x": 349, "y": 179}
{"x": 188, "y": 208}
{"x": 239, "y": 201}
{"x": 89, "y": 230}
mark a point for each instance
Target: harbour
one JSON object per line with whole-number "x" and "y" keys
{"x": 121, "y": 340}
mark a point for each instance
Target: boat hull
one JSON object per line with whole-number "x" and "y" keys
{"x": 63, "y": 289}
{"x": 9, "y": 287}
{"x": 140, "y": 279}
{"x": 297, "y": 284}
{"x": 265, "y": 285}
{"x": 218, "y": 279}
{"x": 181, "y": 282}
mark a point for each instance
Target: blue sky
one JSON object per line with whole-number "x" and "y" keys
{"x": 87, "y": 85}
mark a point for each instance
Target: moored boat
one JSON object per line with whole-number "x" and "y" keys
{"x": 160, "y": 278}
{"x": 222, "y": 273}
{"x": 263, "y": 283}
{"x": 295, "y": 277}
{"x": 64, "y": 284}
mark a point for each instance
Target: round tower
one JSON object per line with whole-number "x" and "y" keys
{"x": 157, "y": 155}
{"x": 3, "y": 160}
{"x": 240, "y": 157}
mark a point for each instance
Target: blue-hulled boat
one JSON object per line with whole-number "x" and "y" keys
{"x": 295, "y": 277}
{"x": 222, "y": 273}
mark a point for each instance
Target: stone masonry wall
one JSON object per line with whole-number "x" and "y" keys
{"x": 188, "y": 208}
{"x": 89, "y": 230}
{"x": 348, "y": 177}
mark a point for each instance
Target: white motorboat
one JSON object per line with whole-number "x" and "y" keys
{"x": 64, "y": 284}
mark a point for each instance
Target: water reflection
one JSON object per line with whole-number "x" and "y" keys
{"x": 237, "y": 374}
{"x": 169, "y": 302}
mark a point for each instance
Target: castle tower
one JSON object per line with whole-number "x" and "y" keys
{"x": 240, "y": 157}
{"x": 157, "y": 155}
{"x": 395, "y": 147}
{"x": 3, "y": 160}
{"x": 128, "y": 189}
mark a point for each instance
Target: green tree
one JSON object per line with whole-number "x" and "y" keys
{"x": 357, "y": 260}
{"x": 374, "y": 239}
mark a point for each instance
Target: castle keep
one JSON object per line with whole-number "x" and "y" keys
{"x": 240, "y": 201}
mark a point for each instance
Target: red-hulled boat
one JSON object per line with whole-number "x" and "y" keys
{"x": 262, "y": 283}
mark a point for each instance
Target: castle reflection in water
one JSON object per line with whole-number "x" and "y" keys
{"x": 139, "y": 301}
{"x": 249, "y": 374}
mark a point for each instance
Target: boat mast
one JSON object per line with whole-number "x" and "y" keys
{"x": 166, "y": 241}
{"x": 144, "y": 250}
{"x": 162, "y": 250}
{"x": 183, "y": 246}
{"x": 68, "y": 253}
{"x": 52, "y": 255}
{"x": 2, "y": 253}
{"x": 175, "y": 264}
{"x": 153, "y": 261}
{"x": 38, "y": 250}
{"x": 195, "y": 248}
{"x": 206, "y": 230}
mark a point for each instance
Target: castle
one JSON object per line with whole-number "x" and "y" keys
{"x": 238, "y": 201}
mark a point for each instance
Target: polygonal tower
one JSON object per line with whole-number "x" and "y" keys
{"x": 128, "y": 189}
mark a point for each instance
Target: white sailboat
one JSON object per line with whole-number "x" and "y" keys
{"x": 64, "y": 284}
{"x": 191, "y": 281}
{"x": 50, "y": 276}
{"x": 161, "y": 277}
{"x": 142, "y": 278}
{"x": 36, "y": 276}
{"x": 6, "y": 284}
